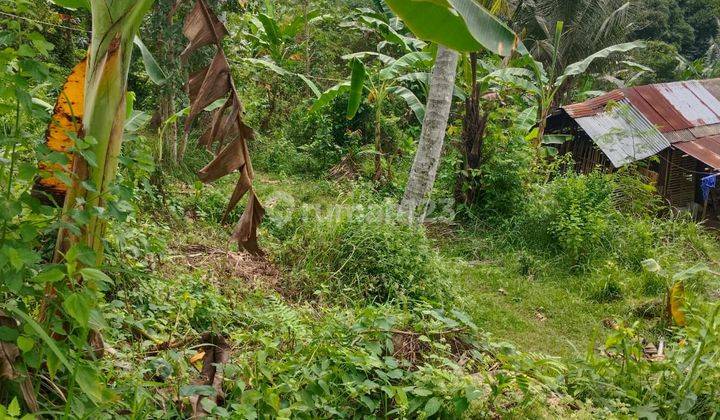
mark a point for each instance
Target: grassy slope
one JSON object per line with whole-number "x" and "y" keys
{"x": 537, "y": 314}
{"x": 536, "y": 305}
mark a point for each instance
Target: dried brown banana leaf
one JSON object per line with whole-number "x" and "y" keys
{"x": 228, "y": 130}
{"x": 210, "y": 135}
{"x": 229, "y": 160}
{"x": 216, "y": 355}
{"x": 215, "y": 85}
{"x": 202, "y": 27}
{"x": 195, "y": 82}
{"x": 9, "y": 353}
{"x": 246, "y": 230}
{"x": 244, "y": 185}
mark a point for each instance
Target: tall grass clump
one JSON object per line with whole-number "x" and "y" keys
{"x": 364, "y": 255}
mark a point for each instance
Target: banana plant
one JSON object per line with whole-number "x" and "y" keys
{"x": 385, "y": 24}
{"x": 545, "y": 86}
{"x": 95, "y": 153}
{"x": 461, "y": 25}
{"x": 275, "y": 39}
{"x": 271, "y": 44}
{"x": 376, "y": 84}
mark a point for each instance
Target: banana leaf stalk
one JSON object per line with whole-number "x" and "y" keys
{"x": 95, "y": 161}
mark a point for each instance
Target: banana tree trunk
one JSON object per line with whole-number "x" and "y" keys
{"x": 378, "y": 137}
{"x": 184, "y": 136}
{"x": 170, "y": 137}
{"x": 427, "y": 158}
{"x": 114, "y": 25}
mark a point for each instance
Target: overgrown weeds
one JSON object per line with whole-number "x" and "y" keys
{"x": 367, "y": 255}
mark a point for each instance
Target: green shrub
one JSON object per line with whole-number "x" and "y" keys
{"x": 635, "y": 194}
{"x": 608, "y": 290}
{"x": 577, "y": 214}
{"x": 683, "y": 383}
{"x": 634, "y": 241}
{"x": 366, "y": 255}
{"x": 209, "y": 201}
{"x": 653, "y": 285}
{"x": 278, "y": 155}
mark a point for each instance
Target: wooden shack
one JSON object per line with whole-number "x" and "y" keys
{"x": 674, "y": 128}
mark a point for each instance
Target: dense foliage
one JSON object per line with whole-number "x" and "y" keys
{"x": 530, "y": 290}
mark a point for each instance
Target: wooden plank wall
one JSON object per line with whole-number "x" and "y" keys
{"x": 679, "y": 186}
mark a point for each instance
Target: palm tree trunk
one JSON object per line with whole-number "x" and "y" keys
{"x": 427, "y": 158}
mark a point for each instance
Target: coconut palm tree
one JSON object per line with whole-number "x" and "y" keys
{"x": 466, "y": 26}
{"x": 588, "y": 25}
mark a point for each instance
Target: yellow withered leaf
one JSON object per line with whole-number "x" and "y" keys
{"x": 676, "y": 303}
{"x": 197, "y": 357}
{"x": 67, "y": 118}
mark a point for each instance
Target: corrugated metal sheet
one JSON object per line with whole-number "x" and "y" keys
{"x": 706, "y": 98}
{"x": 706, "y": 131}
{"x": 663, "y": 107}
{"x": 595, "y": 105}
{"x": 705, "y": 150}
{"x": 713, "y": 86}
{"x": 680, "y": 136}
{"x": 685, "y": 99}
{"x": 684, "y": 114}
{"x": 648, "y": 111}
{"x": 623, "y": 134}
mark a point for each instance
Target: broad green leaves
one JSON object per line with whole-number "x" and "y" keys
{"x": 357, "y": 85}
{"x": 411, "y": 100}
{"x": 78, "y": 305}
{"x": 581, "y": 66}
{"x": 282, "y": 72}
{"x": 329, "y": 95}
{"x": 410, "y": 60}
{"x": 156, "y": 74}
{"x": 385, "y": 59}
{"x": 73, "y": 4}
{"x": 462, "y": 25}
{"x": 386, "y": 80}
{"x": 137, "y": 121}
{"x": 489, "y": 31}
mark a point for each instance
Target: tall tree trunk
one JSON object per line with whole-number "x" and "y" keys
{"x": 427, "y": 158}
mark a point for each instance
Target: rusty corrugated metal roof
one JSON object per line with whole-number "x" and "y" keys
{"x": 624, "y": 134}
{"x": 648, "y": 111}
{"x": 662, "y": 106}
{"x": 593, "y": 106}
{"x": 654, "y": 117}
{"x": 706, "y": 150}
{"x": 689, "y": 99}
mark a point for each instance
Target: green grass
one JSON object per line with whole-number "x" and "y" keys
{"x": 536, "y": 314}
{"x": 181, "y": 281}
{"x": 532, "y": 300}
